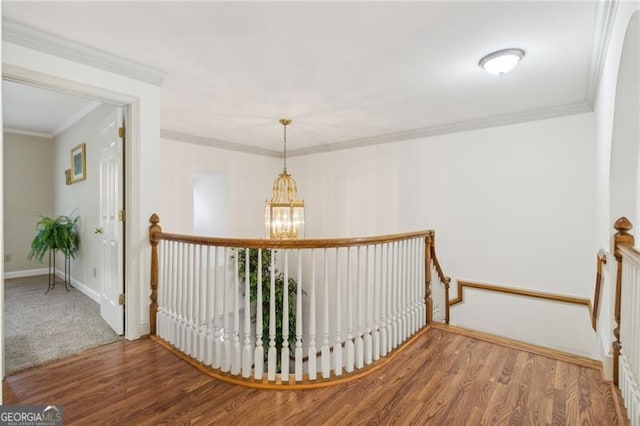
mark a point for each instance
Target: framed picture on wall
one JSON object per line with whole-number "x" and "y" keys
{"x": 78, "y": 163}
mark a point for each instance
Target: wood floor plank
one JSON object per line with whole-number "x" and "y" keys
{"x": 444, "y": 378}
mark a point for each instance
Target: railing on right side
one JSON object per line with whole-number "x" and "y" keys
{"x": 626, "y": 348}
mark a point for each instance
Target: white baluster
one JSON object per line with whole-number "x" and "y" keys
{"x": 413, "y": 300}
{"x": 403, "y": 292}
{"x": 376, "y": 301}
{"x": 349, "y": 346}
{"x": 259, "y": 352}
{"x": 313, "y": 366}
{"x": 199, "y": 302}
{"x": 272, "y": 353}
{"x": 337, "y": 346}
{"x": 215, "y": 312}
{"x": 226, "y": 335}
{"x": 209, "y": 307}
{"x": 359, "y": 343}
{"x": 173, "y": 336}
{"x": 191, "y": 281}
{"x": 247, "y": 355}
{"x": 298, "y": 351}
{"x": 186, "y": 319}
{"x": 325, "y": 356}
{"x": 384, "y": 285}
{"x": 236, "y": 356}
{"x": 163, "y": 260}
{"x": 421, "y": 289}
{"x": 395, "y": 337}
{"x": 181, "y": 297}
{"x": 368, "y": 278}
{"x": 284, "y": 351}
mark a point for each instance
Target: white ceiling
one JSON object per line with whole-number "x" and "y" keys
{"x": 344, "y": 72}
{"x": 41, "y": 112}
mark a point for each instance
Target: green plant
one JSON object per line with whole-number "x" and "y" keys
{"x": 58, "y": 233}
{"x": 292, "y": 289}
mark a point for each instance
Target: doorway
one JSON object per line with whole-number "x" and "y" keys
{"x": 42, "y": 139}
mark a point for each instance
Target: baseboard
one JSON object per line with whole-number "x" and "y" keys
{"x": 26, "y": 273}
{"x": 91, "y": 294}
{"x": 523, "y": 346}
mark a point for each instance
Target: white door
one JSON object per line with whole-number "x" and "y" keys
{"x": 112, "y": 218}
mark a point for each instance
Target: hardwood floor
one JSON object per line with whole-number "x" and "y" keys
{"x": 444, "y": 378}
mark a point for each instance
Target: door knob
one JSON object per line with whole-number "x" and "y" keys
{"x": 97, "y": 231}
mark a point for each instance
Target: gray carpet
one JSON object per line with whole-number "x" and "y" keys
{"x": 43, "y": 327}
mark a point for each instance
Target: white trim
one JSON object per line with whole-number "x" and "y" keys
{"x": 217, "y": 143}
{"x": 33, "y": 38}
{"x": 76, "y": 117}
{"x": 420, "y": 133}
{"x": 27, "y": 133}
{"x": 462, "y": 126}
{"x": 91, "y": 294}
{"x": 26, "y": 273}
{"x": 605, "y": 16}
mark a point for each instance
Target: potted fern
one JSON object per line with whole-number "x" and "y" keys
{"x": 58, "y": 234}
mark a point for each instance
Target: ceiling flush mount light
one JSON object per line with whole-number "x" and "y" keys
{"x": 284, "y": 213}
{"x": 502, "y": 61}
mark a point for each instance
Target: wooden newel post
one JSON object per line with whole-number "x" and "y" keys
{"x": 428, "y": 241}
{"x": 154, "y": 229}
{"x": 620, "y": 238}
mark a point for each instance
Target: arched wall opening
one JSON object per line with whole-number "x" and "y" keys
{"x": 624, "y": 182}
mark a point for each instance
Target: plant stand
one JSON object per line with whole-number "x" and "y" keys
{"x": 52, "y": 271}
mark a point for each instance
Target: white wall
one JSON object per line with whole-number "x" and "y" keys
{"x": 142, "y": 153}
{"x": 604, "y": 109}
{"x": 511, "y": 205}
{"x": 82, "y": 197}
{"x": 249, "y": 178}
{"x": 28, "y": 190}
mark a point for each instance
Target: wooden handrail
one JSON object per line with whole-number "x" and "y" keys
{"x": 519, "y": 292}
{"x": 601, "y": 259}
{"x": 622, "y": 240}
{"x": 443, "y": 278}
{"x": 428, "y": 252}
{"x": 290, "y": 244}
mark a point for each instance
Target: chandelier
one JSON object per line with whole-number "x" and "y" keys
{"x": 284, "y": 213}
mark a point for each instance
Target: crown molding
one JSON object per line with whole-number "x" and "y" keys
{"x": 420, "y": 133}
{"x": 30, "y": 37}
{"x": 462, "y": 126}
{"x": 605, "y": 17}
{"x": 27, "y": 133}
{"x": 217, "y": 143}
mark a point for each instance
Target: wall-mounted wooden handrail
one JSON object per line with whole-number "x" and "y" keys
{"x": 601, "y": 259}
{"x": 622, "y": 239}
{"x": 519, "y": 292}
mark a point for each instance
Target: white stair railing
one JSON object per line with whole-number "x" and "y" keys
{"x": 626, "y": 348}
{"x": 253, "y": 308}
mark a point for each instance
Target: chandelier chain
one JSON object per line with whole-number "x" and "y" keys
{"x": 285, "y": 148}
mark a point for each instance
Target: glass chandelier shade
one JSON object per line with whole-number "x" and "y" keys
{"x": 284, "y": 213}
